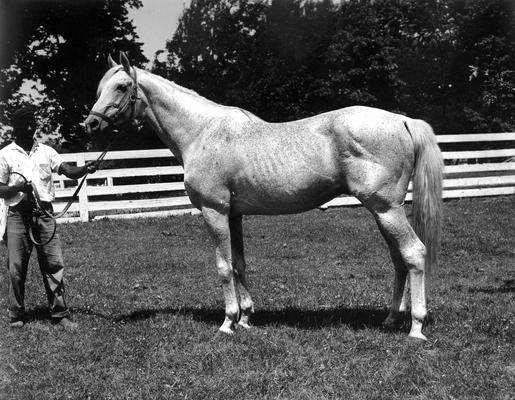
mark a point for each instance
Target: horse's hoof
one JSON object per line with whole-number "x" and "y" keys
{"x": 244, "y": 325}
{"x": 244, "y": 320}
{"x": 225, "y": 330}
{"x": 417, "y": 338}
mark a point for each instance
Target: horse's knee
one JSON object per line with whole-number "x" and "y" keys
{"x": 232, "y": 311}
{"x": 247, "y": 305}
{"x": 418, "y": 312}
{"x": 225, "y": 271}
{"x": 414, "y": 257}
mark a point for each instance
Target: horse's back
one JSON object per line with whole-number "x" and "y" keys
{"x": 273, "y": 168}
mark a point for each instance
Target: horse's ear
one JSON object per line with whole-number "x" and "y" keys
{"x": 110, "y": 62}
{"x": 125, "y": 62}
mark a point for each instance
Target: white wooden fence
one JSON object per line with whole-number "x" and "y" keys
{"x": 112, "y": 192}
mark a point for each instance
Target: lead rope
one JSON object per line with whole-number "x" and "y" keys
{"x": 40, "y": 208}
{"x": 35, "y": 213}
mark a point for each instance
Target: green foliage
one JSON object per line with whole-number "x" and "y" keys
{"x": 249, "y": 54}
{"x": 62, "y": 45}
{"x": 361, "y": 59}
{"x": 426, "y": 61}
{"x": 449, "y": 62}
{"x": 489, "y": 51}
{"x": 459, "y": 67}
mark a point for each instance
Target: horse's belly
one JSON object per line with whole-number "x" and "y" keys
{"x": 294, "y": 174}
{"x": 282, "y": 194}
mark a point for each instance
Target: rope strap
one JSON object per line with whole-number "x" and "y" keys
{"x": 40, "y": 208}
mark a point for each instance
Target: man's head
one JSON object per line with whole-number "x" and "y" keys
{"x": 23, "y": 121}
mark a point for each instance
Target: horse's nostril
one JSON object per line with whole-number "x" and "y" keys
{"x": 94, "y": 124}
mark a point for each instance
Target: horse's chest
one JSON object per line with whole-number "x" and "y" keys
{"x": 206, "y": 186}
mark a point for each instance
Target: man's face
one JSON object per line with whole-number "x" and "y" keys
{"x": 25, "y": 129}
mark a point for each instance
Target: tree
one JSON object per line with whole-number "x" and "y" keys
{"x": 212, "y": 46}
{"x": 487, "y": 54}
{"x": 60, "y": 47}
{"x": 359, "y": 66}
{"x": 448, "y": 62}
{"x": 426, "y": 60}
{"x": 458, "y": 62}
{"x": 249, "y": 53}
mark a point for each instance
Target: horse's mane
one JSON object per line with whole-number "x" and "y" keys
{"x": 171, "y": 84}
{"x": 193, "y": 93}
{"x": 174, "y": 85}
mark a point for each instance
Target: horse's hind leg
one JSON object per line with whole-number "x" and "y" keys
{"x": 238, "y": 262}
{"x": 399, "y": 285}
{"x": 218, "y": 224}
{"x": 405, "y": 243}
{"x": 405, "y": 296}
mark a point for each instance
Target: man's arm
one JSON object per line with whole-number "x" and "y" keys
{"x": 7, "y": 191}
{"x": 74, "y": 172}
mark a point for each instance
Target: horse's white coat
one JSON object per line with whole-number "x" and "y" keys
{"x": 235, "y": 164}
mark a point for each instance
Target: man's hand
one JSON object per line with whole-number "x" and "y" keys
{"x": 25, "y": 187}
{"x": 91, "y": 166}
{"x": 76, "y": 172}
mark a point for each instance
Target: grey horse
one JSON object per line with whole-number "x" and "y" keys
{"x": 237, "y": 164}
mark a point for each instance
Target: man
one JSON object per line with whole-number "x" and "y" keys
{"x": 36, "y": 162}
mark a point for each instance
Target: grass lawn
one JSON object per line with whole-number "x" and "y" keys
{"x": 148, "y": 301}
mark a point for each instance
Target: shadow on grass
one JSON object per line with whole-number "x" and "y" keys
{"x": 508, "y": 286}
{"x": 354, "y": 318}
{"x": 37, "y": 314}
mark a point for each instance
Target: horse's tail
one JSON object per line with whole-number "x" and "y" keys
{"x": 427, "y": 189}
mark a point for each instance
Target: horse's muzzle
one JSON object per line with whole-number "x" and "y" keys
{"x": 94, "y": 124}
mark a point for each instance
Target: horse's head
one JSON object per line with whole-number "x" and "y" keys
{"x": 118, "y": 97}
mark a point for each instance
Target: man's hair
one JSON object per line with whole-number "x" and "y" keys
{"x": 23, "y": 113}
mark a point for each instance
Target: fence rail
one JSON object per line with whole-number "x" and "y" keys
{"x": 471, "y": 173}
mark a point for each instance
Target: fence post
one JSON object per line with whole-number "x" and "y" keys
{"x": 83, "y": 194}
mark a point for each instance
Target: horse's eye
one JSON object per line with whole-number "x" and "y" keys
{"x": 121, "y": 88}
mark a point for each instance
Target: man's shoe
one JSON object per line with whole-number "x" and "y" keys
{"x": 16, "y": 323}
{"x": 68, "y": 324}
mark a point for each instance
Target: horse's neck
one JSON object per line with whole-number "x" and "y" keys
{"x": 178, "y": 115}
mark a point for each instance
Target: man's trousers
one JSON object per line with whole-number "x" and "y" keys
{"x": 50, "y": 258}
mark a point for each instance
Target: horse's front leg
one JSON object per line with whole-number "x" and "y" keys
{"x": 218, "y": 224}
{"x": 246, "y": 303}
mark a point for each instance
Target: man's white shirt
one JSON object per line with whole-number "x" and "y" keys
{"x": 37, "y": 167}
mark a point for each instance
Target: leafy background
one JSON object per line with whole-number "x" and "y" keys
{"x": 449, "y": 62}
